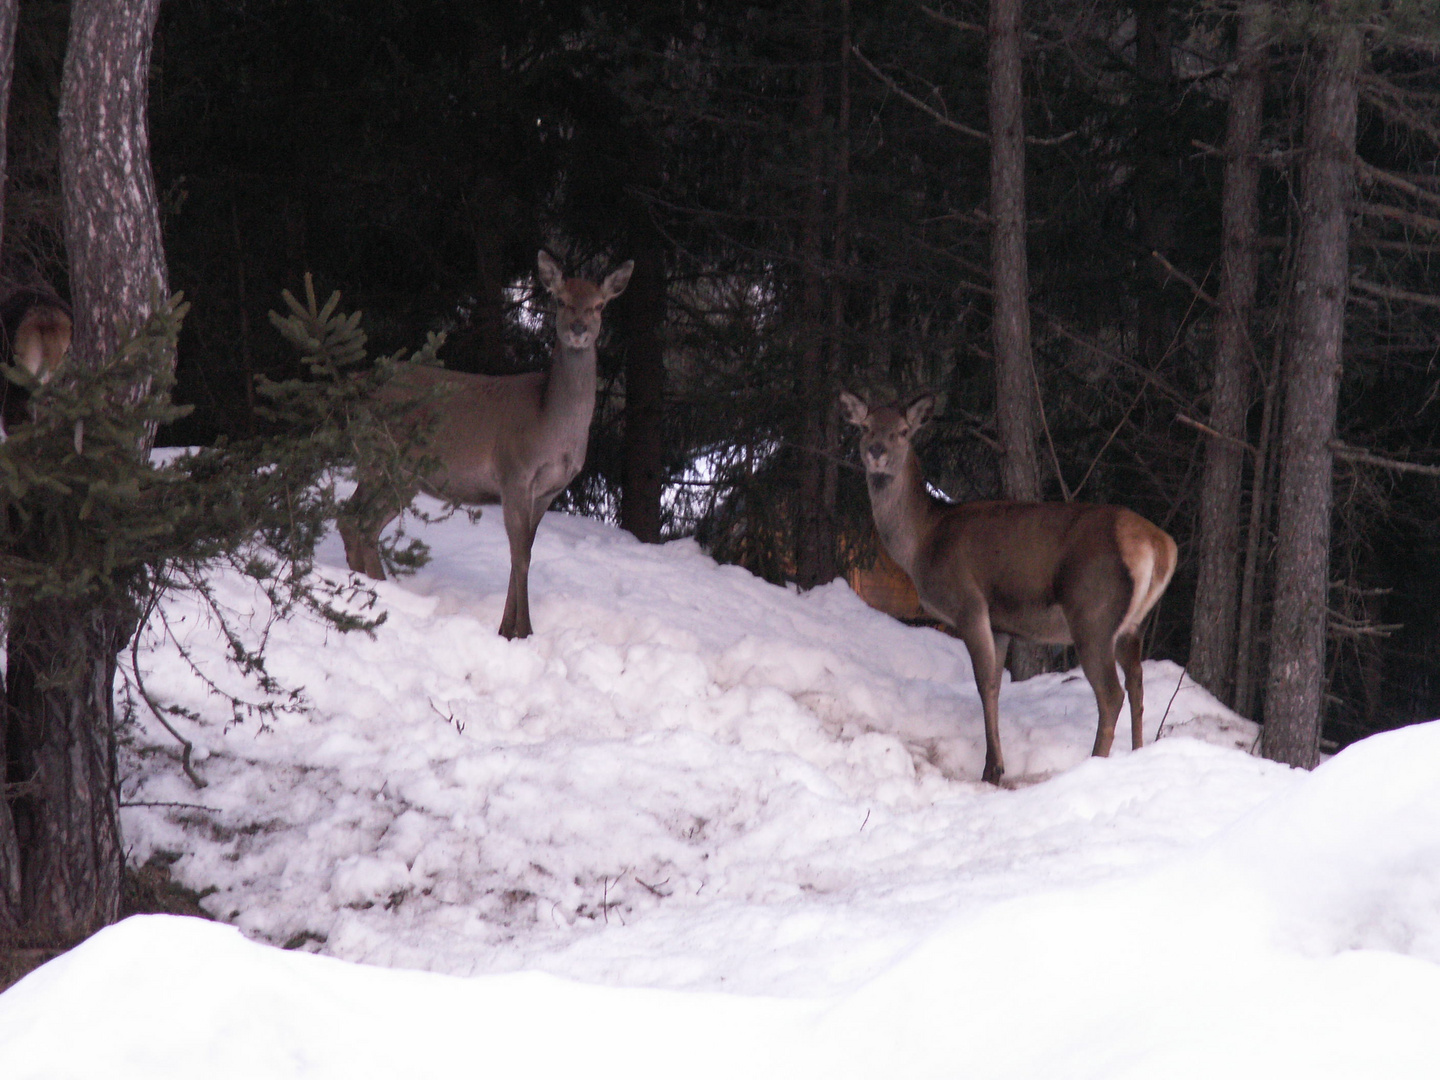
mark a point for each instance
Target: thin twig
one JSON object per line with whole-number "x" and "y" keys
{"x": 1180, "y": 275}
{"x": 155, "y": 707}
{"x": 1050, "y": 442}
{"x": 941, "y": 118}
{"x": 1166, "y": 714}
{"x": 182, "y": 805}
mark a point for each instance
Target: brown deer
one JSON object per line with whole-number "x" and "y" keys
{"x": 513, "y": 439}
{"x": 35, "y": 329}
{"x": 1057, "y": 573}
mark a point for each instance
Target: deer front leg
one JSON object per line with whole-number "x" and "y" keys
{"x": 520, "y": 531}
{"x": 984, "y": 659}
{"x": 522, "y": 519}
{"x": 360, "y": 527}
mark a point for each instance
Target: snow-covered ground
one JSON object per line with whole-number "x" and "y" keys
{"x": 701, "y": 825}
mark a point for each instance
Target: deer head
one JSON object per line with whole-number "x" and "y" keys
{"x": 578, "y": 303}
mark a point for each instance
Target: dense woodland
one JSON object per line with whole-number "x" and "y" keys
{"x": 1178, "y": 256}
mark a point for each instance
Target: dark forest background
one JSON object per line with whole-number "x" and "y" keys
{"x": 804, "y": 187}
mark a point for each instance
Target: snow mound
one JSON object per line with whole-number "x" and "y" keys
{"x": 684, "y": 767}
{"x": 1238, "y": 956}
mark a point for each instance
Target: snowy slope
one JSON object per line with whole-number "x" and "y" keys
{"x": 689, "y": 781}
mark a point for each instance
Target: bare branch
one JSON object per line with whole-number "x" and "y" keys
{"x": 1206, "y": 429}
{"x": 1404, "y": 217}
{"x": 1180, "y": 275}
{"x": 1365, "y": 457}
{"x": 941, "y": 118}
{"x": 1389, "y": 292}
{"x": 1399, "y": 183}
{"x": 951, "y": 21}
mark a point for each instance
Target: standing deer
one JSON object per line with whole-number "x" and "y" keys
{"x": 513, "y": 439}
{"x": 1057, "y": 573}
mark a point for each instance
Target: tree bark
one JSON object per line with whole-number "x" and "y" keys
{"x": 9, "y": 844}
{"x": 1212, "y": 636}
{"x": 643, "y": 468}
{"x": 814, "y": 557}
{"x": 60, "y": 768}
{"x": 1016, "y": 404}
{"x": 1016, "y": 411}
{"x": 65, "y": 857}
{"x": 642, "y": 322}
{"x": 9, "y": 16}
{"x": 112, "y": 218}
{"x": 1157, "y": 175}
{"x": 1293, "y": 699}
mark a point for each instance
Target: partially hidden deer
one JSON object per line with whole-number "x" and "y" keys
{"x": 1056, "y": 573}
{"x": 513, "y": 439}
{"x": 35, "y": 329}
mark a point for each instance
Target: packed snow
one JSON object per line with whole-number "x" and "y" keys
{"x": 705, "y": 825}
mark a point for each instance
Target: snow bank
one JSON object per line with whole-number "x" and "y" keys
{"x": 1190, "y": 969}
{"x": 684, "y": 766}
{"x": 688, "y": 782}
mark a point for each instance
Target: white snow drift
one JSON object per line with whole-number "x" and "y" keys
{"x": 700, "y": 824}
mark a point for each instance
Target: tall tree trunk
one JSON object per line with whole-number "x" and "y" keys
{"x": 814, "y": 559}
{"x": 839, "y": 295}
{"x": 643, "y": 467}
{"x": 642, "y": 322}
{"x": 1157, "y": 175}
{"x": 489, "y": 356}
{"x": 1016, "y": 407}
{"x": 1293, "y": 699}
{"x": 59, "y": 709}
{"x": 9, "y": 843}
{"x": 112, "y": 219}
{"x": 9, "y": 16}
{"x": 1212, "y": 636}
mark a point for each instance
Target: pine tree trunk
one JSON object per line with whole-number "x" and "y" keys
{"x": 9, "y": 845}
{"x": 9, "y": 16}
{"x": 63, "y": 788}
{"x": 1293, "y": 699}
{"x": 64, "y": 855}
{"x": 643, "y": 468}
{"x": 1157, "y": 175}
{"x": 1016, "y": 407}
{"x": 1212, "y": 640}
{"x": 112, "y": 219}
{"x": 814, "y": 557}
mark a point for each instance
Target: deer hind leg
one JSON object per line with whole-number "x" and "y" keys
{"x": 1127, "y": 651}
{"x": 1097, "y": 659}
{"x": 987, "y": 652}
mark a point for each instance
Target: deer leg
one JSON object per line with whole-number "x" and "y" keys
{"x": 1097, "y": 659}
{"x": 522, "y": 518}
{"x": 985, "y": 653}
{"x": 1127, "y": 651}
{"x": 360, "y": 527}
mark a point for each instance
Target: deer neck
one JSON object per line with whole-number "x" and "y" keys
{"x": 904, "y": 511}
{"x": 570, "y": 385}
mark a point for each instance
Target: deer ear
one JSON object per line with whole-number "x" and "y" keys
{"x": 919, "y": 411}
{"x": 854, "y": 409}
{"x": 551, "y": 275}
{"x": 615, "y": 283}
